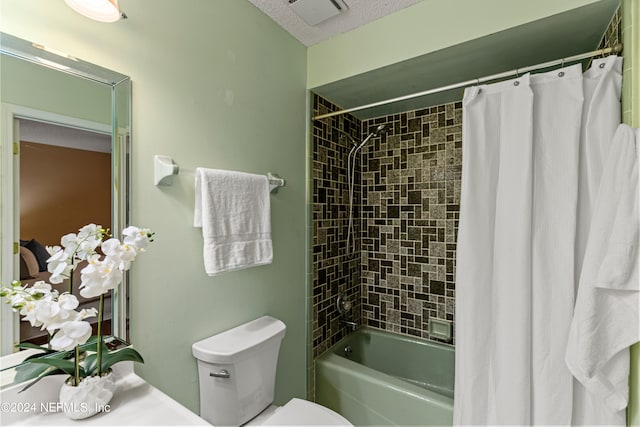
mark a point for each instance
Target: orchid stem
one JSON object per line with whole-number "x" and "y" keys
{"x": 99, "y": 356}
{"x": 71, "y": 282}
{"x": 76, "y": 379}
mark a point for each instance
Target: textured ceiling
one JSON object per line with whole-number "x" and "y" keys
{"x": 360, "y": 12}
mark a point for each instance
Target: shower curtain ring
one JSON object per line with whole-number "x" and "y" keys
{"x": 561, "y": 73}
{"x": 478, "y": 85}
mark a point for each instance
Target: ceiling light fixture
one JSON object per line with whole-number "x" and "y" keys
{"x": 99, "y": 10}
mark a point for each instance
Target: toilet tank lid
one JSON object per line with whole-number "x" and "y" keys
{"x": 227, "y": 346}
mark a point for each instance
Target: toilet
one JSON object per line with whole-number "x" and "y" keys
{"x": 237, "y": 372}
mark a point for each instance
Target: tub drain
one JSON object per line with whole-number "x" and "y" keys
{"x": 348, "y": 351}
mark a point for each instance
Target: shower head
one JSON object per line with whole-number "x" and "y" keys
{"x": 379, "y": 130}
{"x": 376, "y": 132}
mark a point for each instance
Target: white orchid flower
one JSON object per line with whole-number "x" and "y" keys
{"x": 86, "y": 248}
{"x": 53, "y": 249}
{"x": 87, "y": 312}
{"x": 71, "y": 334}
{"x": 68, "y": 302}
{"x": 59, "y": 264}
{"x": 16, "y": 295}
{"x": 38, "y": 311}
{"x": 46, "y": 312}
{"x": 41, "y": 286}
{"x": 30, "y": 312}
{"x": 59, "y": 271}
{"x": 89, "y": 230}
{"x": 38, "y": 295}
{"x": 44, "y": 307}
{"x": 137, "y": 237}
{"x": 119, "y": 254}
{"x": 69, "y": 242}
{"x": 57, "y": 255}
{"x": 99, "y": 277}
{"x": 111, "y": 247}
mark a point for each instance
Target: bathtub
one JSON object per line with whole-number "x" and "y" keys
{"x": 373, "y": 377}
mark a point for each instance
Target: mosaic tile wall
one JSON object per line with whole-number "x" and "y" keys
{"x": 334, "y": 271}
{"x": 411, "y": 180}
{"x": 406, "y": 205}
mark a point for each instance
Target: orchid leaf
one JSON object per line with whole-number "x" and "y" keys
{"x": 91, "y": 361}
{"x": 48, "y": 352}
{"x": 29, "y": 371}
{"x": 67, "y": 366}
{"x": 34, "y": 346}
{"x": 126, "y": 354}
{"x": 49, "y": 370}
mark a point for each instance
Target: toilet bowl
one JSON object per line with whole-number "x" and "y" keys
{"x": 237, "y": 370}
{"x": 299, "y": 412}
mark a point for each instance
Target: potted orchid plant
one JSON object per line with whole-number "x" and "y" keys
{"x": 88, "y": 365}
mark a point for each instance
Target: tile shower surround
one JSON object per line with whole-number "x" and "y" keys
{"x": 411, "y": 178}
{"x": 334, "y": 272}
{"x": 408, "y": 184}
{"x": 406, "y": 217}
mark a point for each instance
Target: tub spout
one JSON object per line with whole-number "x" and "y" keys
{"x": 352, "y": 325}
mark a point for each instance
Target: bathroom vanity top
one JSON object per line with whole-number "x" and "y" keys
{"x": 135, "y": 402}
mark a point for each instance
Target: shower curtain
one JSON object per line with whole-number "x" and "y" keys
{"x": 528, "y": 145}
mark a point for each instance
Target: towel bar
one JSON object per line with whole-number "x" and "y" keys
{"x": 164, "y": 170}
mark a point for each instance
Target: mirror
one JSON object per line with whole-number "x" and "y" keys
{"x": 64, "y": 150}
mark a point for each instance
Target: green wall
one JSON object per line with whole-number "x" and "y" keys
{"x": 428, "y": 26}
{"x": 631, "y": 116}
{"x": 34, "y": 86}
{"x": 215, "y": 84}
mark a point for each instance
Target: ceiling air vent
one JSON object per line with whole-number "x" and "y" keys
{"x": 315, "y": 11}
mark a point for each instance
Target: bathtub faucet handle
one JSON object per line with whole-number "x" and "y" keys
{"x": 343, "y": 304}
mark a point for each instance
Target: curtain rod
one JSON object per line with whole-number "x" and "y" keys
{"x": 609, "y": 50}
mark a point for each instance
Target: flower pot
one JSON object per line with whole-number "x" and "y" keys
{"x": 91, "y": 396}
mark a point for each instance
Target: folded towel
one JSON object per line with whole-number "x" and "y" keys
{"x": 233, "y": 209}
{"x": 605, "y": 319}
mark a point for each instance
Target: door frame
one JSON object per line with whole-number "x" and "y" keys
{"x": 10, "y": 201}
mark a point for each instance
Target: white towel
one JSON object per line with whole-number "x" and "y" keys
{"x": 233, "y": 209}
{"x": 605, "y": 320}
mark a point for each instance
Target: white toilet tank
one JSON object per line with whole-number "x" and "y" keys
{"x": 237, "y": 371}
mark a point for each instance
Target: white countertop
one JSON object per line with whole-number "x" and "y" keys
{"x": 135, "y": 402}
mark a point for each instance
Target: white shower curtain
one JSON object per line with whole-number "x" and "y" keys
{"x": 516, "y": 266}
{"x": 600, "y": 118}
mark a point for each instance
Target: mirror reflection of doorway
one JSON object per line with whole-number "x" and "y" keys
{"x": 65, "y": 183}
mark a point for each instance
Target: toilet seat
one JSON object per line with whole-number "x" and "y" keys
{"x": 302, "y": 412}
